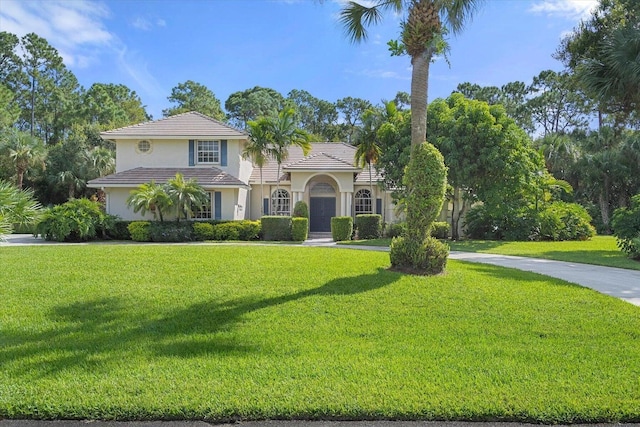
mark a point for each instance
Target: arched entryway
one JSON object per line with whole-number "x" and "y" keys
{"x": 322, "y": 205}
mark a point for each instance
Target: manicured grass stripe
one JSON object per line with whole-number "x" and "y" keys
{"x": 235, "y": 332}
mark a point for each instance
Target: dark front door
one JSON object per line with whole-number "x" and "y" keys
{"x": 321, "y": 209}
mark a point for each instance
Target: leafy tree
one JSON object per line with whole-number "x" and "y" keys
{"x": 352, "y": 110}
{"x": 558, "y": 106}
{"x": 367, "y": 146}
{"x": 26, "y": 153}
{"x": 150, "y": 197}
{"x": 317, "y": 116}
{"x": 192, "y": 96}
{"x": 258, "y": 148}
{"x": 251, "y": 104}
{"x": 11, "y": 68}
{"x": 9, "y": 110}
{"x": 394, "y": 134}
{"x": 489, "y": 158}
{"x": 112, "y": 106}
{"x": 185, "y": 195}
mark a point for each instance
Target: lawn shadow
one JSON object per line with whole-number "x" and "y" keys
{"x": 474, "y": 245}
{"x": 94, "y": 334}
{"x": 212, "y": 317}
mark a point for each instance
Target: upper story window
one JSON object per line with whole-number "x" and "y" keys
{"x": 208, "y": 152}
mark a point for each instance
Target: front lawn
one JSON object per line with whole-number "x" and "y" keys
{"x": 252, "y": 332}
{"x": 600, "y": 250}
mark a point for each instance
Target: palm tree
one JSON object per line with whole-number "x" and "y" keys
{"x": 16, "y": 207}
{"x": 102, "y": 161}
{"x": 185, "y": 195}
{"x": 71, "y": 180}
{"x": 283, "y": 132}
{"x": 368, "y": 151}
{"x": 150, "y": 197}
{"x": 421, "y": 38}
{"x": 26, "y": 152}
{"x": 257, "y": 149}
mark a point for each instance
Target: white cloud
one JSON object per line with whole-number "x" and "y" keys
{"x": 568, "y": 9}
{"x": 78, "y": 31}
{"x": 75, "y": 28}
{"x": 381, "y": 74}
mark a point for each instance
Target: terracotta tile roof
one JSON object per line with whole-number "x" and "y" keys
{"x": 330, "y": 156}
{"x": 185, "y": 125}
{"x": 206, "y": 177}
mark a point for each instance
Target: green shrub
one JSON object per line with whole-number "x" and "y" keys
{"x": 139, "y": 231}
{"x": 120, "y": 230}
{"x": 74, "y": 221}
{"x": 249, "y": 230}
{"x": 369, "y": 226}
{"x": 171, "y": 231}
{"x": 565, "y": 221}
{"x": 626, "y": 228}
{"x": 440, "y": 230}
{"x": 301, "y": 210}
{"x": 299, "y": 229}
{"x": 425, "y": 179}
{"x": 415, "y": 257}
{"x": 396, "y": 229}
{"x": 226, "y": 231}
{"x": 557, "y": 221}
{"x": 202, "y": 231}
{"x": 276, "y": 228}
{"x": 341, "y": 228}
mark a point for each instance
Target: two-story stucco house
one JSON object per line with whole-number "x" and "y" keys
{"x": 209, "y": 151}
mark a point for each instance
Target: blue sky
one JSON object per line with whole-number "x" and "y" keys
{"x": 233, "y": 45}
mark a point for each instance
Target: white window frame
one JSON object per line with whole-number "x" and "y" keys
{"x": 208, "y": 152}
{"x": 280, "y": 202}
{"x": 363, "y": 199}
{"x": 206, "y": 213}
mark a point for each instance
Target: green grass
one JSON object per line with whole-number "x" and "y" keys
{"x": 600, "y": 250}
{"x": 252, "y": 332}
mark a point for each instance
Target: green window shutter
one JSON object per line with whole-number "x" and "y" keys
{"x": 192, "y": 153}
{"x": 217, "y": 201}
{"x": 223, "y": 152}
{"x": 379, "y": 206}
{"x": 265, "y": 204}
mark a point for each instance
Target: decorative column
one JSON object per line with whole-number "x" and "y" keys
{"x": 349, "y": 203}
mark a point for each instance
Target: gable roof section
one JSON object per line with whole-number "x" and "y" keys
{"x": 185, "y": 125}
{"x": 206, "y": 177}
{"x": 321, "y": 161}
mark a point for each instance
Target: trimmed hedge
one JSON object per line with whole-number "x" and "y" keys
{"x": 139, "y": 231}
{"x": 341, "y": 228}
{"x": 171, "y": 231}
{"x": 202, "y": 231}
{"x": 276, "y": 228}
{"x": 119, "y": 230}
{"x": 425, "y": 258}
{"x": 301, "y": 210}
{"x": 299, "y": 229}
{"x": 227, "y": 231}
{"x": 369, "y": 226}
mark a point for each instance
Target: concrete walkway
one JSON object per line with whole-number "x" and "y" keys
{"x": 617, "y": 282}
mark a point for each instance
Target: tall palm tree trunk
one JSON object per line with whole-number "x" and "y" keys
{"x": 419, "y": 88}
{"x": 261, "y": 194}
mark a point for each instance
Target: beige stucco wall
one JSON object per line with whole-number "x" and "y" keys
{"x": 117, "y": 204}
{"x": 174, "y": 153}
